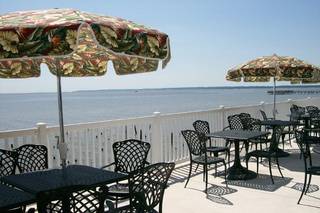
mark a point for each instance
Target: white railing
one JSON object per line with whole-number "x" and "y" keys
{"x": 91, "y": 143}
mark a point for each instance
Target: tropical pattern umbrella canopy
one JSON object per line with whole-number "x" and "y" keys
{"x": 74, "y": 43}
{"x": 282, "y": 68}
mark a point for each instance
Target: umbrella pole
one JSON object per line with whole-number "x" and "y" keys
{"x": 62, "y": 146}
{"x": 274, "y": 98}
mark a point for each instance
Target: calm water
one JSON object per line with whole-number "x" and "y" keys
{"x": 25, "y": 110}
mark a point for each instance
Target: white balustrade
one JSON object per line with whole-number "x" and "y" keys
{"x": 91, "y": 143}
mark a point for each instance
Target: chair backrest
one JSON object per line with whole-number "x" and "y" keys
{"x": 130, "y": 155}
{"x": 147, "y": 186}
{"x": 7, "y": 162}
{"x": 264, "y": 115}
{"x": 196, "y": 142}
{"x": 31, "y": 157}
{"x": 311, "y": 109}
{"x": 276, "y": 135}
{"x": 235, "y": 122}
{"x": 201, "y": 126}
{"x": 304, "y": 148}
{"x": 297, "y": 109}
{"x": 89, "y": 201}
{"x": 253, "y": 124}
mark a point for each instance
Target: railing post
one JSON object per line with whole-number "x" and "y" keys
{"x": 262, "y": 106}
{"x": 42, "y": 139}
{"x": 223, "y": 116}
{"x": 42, "y": 133}
{"x": 156, "y": 145}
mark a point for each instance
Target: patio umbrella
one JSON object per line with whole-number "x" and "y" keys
{"x": 280, "y": 68}
{"x": 76, "y": 44}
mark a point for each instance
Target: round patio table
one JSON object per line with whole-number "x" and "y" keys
{"x": 237, "y": 171}
{"x": 274, "y": 124}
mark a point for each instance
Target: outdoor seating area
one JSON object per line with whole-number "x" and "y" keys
{"x": 80, "y": 188}
{"x": 183, "y": 142}
{"x": 246, "y": 166}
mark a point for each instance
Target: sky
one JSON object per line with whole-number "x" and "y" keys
{"x": 207, "y": 38}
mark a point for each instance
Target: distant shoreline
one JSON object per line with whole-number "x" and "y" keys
{"x": 176, "y": 88}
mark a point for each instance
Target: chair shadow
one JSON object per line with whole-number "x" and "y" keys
{"x": 294, "y": 163}
{"x": 180, "y": 174}
{"x": 215, "y": 193}
{"x": 299, "y": 186}
{"x": 262, "y": 182}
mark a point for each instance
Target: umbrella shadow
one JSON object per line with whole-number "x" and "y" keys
{"x": 262, "y": 182}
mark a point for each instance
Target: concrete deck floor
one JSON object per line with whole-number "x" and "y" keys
{"x": 257, "y": 195}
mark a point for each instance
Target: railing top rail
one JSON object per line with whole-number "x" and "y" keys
{"x": 18, "y": 133}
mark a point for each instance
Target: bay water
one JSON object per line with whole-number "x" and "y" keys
{"x": 18, "y": 111}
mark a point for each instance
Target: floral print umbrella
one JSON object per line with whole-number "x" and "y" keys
{"x": 280, "y": 68}
{"x": 75, "y": 44}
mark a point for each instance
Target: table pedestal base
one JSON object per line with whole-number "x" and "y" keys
{"x": 240, "y": 173}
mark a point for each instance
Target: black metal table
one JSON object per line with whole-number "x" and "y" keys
{"x": 274, "y": 124}
{"x": 12, "y": 198}
{"x": 62, "y": 181}
{"x": 237, "y": 171}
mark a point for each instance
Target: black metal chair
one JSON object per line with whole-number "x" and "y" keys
{"x": 8, "y": 167}
{"x": 129, "y": 156}
{"x": 253, "y": 124}
{"x": 7, "y": 162}
{"x": 266, "y": 118}
{"x": 203, "y": 127}
{"x": 309, "y": 168}
{"x": 89, "y": 200}
{"x": 198, "y": 154}
{"x": 269, "y": 153}
{"x": 239, "y": 122}
{"x": 146, "y": 187}
{"x": 31, "y": 157}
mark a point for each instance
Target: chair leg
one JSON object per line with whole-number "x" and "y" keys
{"x": 196, "y": 168}
{"x": 270, "y": 170}
{"x": 304, "y": 187}
{"x": 228, "y": 152}
{"x": 257, "y": 165}
{"x": 225, "y": 174}
{"x": 247, "y": 160}
{"x": 277, "y": 160}
{"x": 246, "y": 146}
{"x": 216, "y": 154}
{"x": 190, "y": 168}
{"x": 309, "y": 181}
{"x": 206, "y": 172}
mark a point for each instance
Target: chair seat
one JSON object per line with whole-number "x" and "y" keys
{"x": 312, "y": 140}
{"x": 210, "y": 160}
{"x": 315, "y": 170}
{"x": 258, "y": 141}
{"x": 217, "y": 149}
{"x": 119, "y": 190}
{"x": 263, "y": 153}
{"x": 126, "y": 209}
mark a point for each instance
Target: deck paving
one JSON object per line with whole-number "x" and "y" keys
{"x": 257, "y": 195}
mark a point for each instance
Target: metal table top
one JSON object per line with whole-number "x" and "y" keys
{"x": 278, "y": 123}
{"x": 12, "y": 198}
{"x": 74, "y": 176}
{"x": 237, "y": 134}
